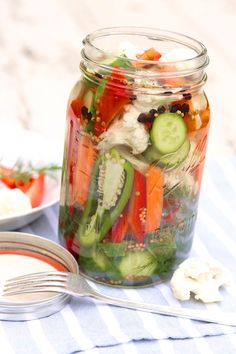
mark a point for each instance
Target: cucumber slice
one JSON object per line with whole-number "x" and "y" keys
{"x": 168, "y": 132}
{"x": 114, "y": 249}
{"x": 138, "y": 263}
{"x": 101, "y": 260}
{"x": 168, "y": 160}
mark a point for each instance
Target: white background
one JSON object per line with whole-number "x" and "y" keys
{"x": 40, "y": 43}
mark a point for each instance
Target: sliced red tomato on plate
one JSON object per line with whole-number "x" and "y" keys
{"x": 35, "y": 190}
{"x": 8, "y": 177}
{"x": 31, "y": 186}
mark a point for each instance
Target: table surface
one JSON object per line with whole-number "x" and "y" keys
{"x": 90, "y": 327}
{"x": 40, "y": 43}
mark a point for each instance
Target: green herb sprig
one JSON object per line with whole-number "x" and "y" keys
{"x": 24, "y": 171}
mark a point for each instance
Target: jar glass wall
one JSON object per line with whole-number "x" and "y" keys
{"x": 137, "y": 129}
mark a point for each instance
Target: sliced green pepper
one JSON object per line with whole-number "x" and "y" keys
{"x": 110, "y": 188}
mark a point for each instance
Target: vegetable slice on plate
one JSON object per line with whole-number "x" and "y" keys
{"x": 28, "y": 179}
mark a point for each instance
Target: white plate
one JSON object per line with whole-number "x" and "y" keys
{"x": 17, "y": 143}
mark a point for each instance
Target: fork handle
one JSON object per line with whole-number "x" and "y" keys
{"x": 220, "y": 318}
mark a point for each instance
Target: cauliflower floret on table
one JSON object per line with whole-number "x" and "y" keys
{"x": 201, "y": 277}
{"x": 126, "y": 131}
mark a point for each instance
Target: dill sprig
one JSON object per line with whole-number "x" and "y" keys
{"x": 23, "y": 172}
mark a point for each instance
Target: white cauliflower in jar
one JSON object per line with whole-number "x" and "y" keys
{"x": 129, "y": 50}
{"x": 180, "y": 55}
{"x": 126, "y": 131}
{"x": 13, "y": 201}
{"x": 145, "y": 102}
{"x": 200, "y": 277}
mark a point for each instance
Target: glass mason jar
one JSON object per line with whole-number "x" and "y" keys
{"x": 137, "y": 128}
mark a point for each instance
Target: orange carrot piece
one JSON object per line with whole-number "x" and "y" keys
{"x": 154, "y": 188}
{"x": 85, "y": 161}
{"x": 149, "y": 54}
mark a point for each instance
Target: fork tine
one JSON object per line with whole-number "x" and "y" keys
{"x": 31, "y": 276}
{"x": 24, "y": 290}
{"x": 36, "y": 282}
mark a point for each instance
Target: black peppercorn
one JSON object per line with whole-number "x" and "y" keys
{"x": 152, "y": 112}
{"x": 99, "y": 76}
{"x": 142, "y": 118}
{"x": 89, "y": 115}
{"x": 167, "y": 93}
{"x": 133, "y": 97}
{"x": 150, "y": 117}
{"x": 187, "y": 96}
{"x": 185, "y": 108}
{"x": 161, "y": 109}
{"x": 84, "y": 111}
{"x": 173, "y": 109}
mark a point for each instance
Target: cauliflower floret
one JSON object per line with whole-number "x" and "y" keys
{"x": 126, "y": 131}
{"x": 145, "y": 102}
{"x": 179, "y": 54}
{"x": 201, "y": 277}
{"x": 129, "y": 49}
{"x": 13, "y": 201}
{"x": 199, "y": 102}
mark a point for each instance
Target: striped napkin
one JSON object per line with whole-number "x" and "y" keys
{"x": 90, "y": 327}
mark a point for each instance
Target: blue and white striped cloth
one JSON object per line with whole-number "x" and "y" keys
{"x": 92, "y": 328}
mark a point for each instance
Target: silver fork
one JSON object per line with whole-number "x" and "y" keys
{"x": 76, "y": 285}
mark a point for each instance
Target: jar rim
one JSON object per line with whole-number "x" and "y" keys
{"x": 196, "y": 63}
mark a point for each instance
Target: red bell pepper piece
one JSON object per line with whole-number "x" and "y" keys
{"x": 111, "y": 102}
{"x": 137, "y": 207}
{"x": 119, "y": 229}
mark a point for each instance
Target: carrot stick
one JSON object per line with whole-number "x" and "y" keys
{"x": 85, "y": 161}
{"x": 154, "y": 188}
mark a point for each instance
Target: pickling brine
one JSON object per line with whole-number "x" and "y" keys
{"x": 137, "y": 129}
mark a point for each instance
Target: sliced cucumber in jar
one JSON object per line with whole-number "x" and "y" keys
{"x": 168, "y": 132}
{"x": 139, "y": 263}
{"x": 168, "y": 160}
{"x": 101, "y": 260}
{"x": 176, "y": 158}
